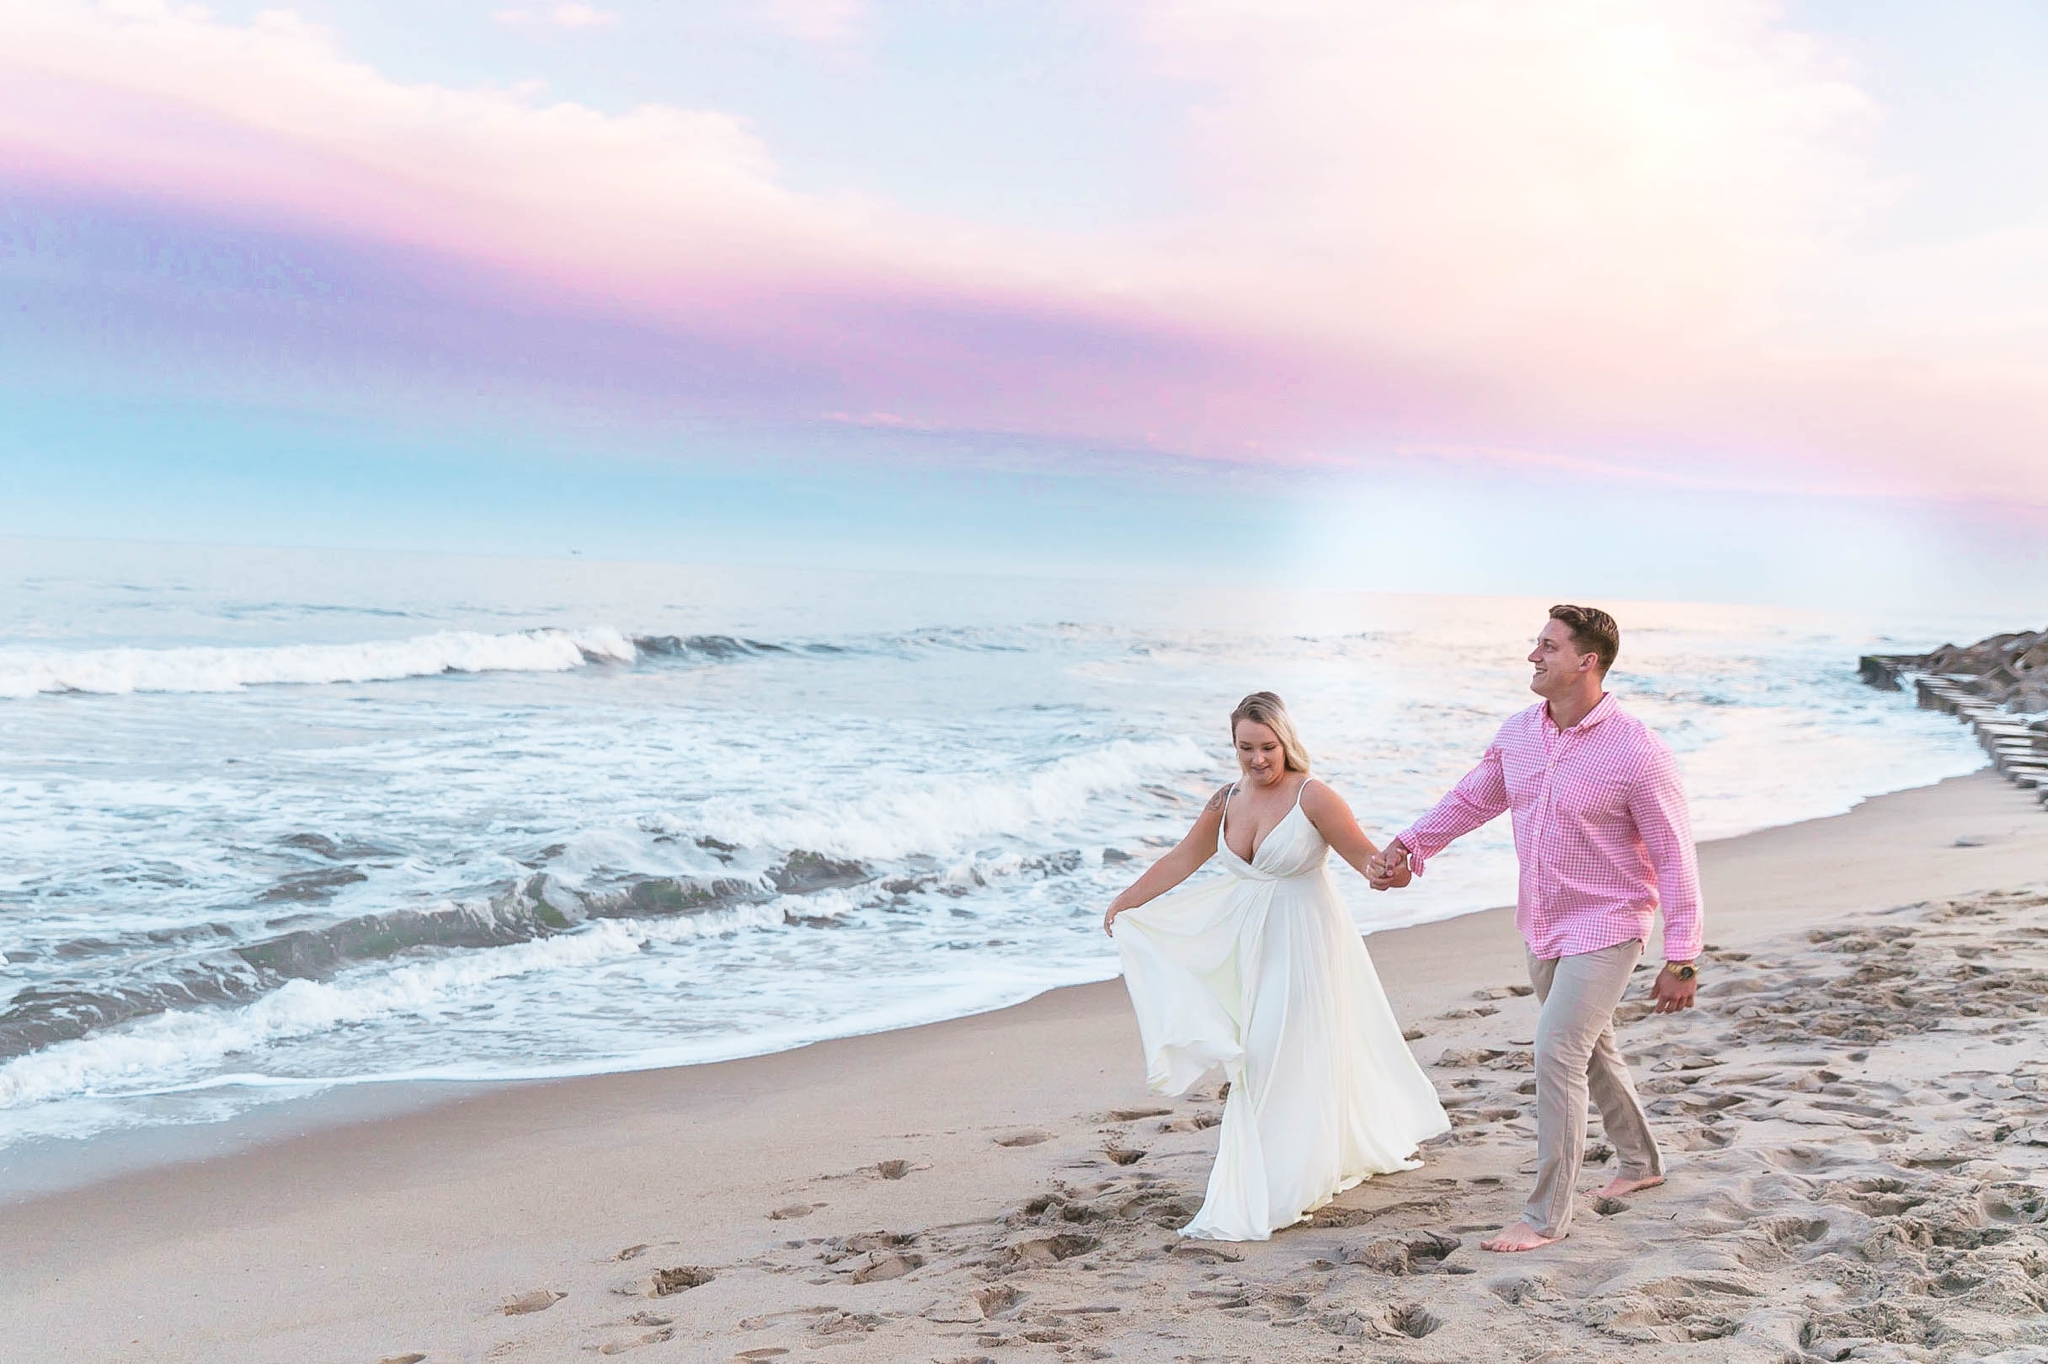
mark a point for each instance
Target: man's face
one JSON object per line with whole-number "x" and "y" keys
{"x": 1560, "y": 666}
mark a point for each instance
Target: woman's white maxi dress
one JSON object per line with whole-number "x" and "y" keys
{"x": 1261, "y": 973}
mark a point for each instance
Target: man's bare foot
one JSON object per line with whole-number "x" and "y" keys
{"x": 1521, "y": 1236}
{"x": 1621, "y": 1186}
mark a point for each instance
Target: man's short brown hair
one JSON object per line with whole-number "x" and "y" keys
{"x": 1593, "y": 631}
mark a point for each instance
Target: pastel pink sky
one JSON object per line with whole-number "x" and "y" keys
{"x": 1673, "y": 241}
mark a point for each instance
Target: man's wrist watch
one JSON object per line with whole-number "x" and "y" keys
{"x": 1684, "y": 970}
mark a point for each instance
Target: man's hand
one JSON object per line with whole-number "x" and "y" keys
{"x": 1671, "y": 994}
{"x": 1389, "y": 867}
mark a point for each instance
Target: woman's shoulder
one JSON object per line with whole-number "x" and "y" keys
{"x": 1315, "y": 791}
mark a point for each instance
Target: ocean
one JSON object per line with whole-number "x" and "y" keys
{"x": 278, "y": 822}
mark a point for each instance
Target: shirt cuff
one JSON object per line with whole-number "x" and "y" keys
{"x": 1686, "y": 948}
{"x": 1415, "y": 857}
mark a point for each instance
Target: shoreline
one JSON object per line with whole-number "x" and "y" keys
{"x": 523, "y": 1221}
{"x": 45, "y": 1167}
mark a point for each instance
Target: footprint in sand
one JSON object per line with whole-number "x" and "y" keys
{"x": 1699, "y": 1139}
{"x": 1027, "y": 1138}
{"x": 1414, "y": 1253}
{"x": 1412, "y": 1319}
{"x": 414, "y": 1358}
{"x": 1134, "y": 1114}
{"x": 767, "y": 1319}
{"x": 1124, "y": 1155}
{"x": 980, "y": 1305}
{"x": 896, "y": 1169}
{"x": 619, "y": 1347}
{"x": 537, "y": 1300}
{"x": 872, "y": 1257}
{"x": 1468, "y": 1056}
{"x": 1200, "y": 1250}
{"x": 682, "y": 1277}
{"x": 1521, "y": 1288}
{"x": 885, "y": 1265}
{"x": 845, "y": 1323}
{"x": 794, "y": 1210}
{"x": 1045, "y": 1250}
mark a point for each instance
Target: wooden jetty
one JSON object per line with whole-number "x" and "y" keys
{"x": 1997, "y": 686}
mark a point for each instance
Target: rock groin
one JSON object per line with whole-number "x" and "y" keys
{"x": 1997, "y": 686}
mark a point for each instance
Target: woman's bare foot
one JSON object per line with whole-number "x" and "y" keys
{"x": 1521, "y": 1236}
{"x": 1622, "y": 1185}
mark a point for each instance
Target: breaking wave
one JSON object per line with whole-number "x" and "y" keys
{"x": 172, "y": 1040}
{"x": 118, "y": 672}
{"x": 539, "y": 907}
{"x": 202, "y": 669}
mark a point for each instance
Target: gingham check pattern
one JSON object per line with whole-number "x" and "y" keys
{"x": 1600, "y": 826}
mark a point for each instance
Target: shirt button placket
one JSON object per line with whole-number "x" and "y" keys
{"x": 1555, "y": 873}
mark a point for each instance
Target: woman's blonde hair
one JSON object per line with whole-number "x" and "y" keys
{"x": 1266, "y": 708}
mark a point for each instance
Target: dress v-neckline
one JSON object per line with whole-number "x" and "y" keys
{"x": 1259, "y": 845}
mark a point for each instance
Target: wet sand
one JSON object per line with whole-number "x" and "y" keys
{"x": 1857, "y": 1119}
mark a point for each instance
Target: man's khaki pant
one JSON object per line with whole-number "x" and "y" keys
{"x": 1575, "y": 1053}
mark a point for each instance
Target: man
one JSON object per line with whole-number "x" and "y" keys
{"x": 1604, "y": 839}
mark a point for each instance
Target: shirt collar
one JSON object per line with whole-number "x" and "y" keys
{"x": 1600, "y": 712}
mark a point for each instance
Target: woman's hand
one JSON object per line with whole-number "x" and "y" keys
{"x": 1109, "y": 917}
{"x": 1400, "y": 878}
{"x": 1389, "y": 869}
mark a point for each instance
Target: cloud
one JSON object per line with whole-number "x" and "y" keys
{"x": 1541, "y": 192}
{"x": 561, "y": 16}
{"x": 1622, "y": 239}
{"x": 1641, "y": 233}
{"x": 273, "y": 118}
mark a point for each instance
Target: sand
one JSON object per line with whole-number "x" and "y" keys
{"x": 1857, "y": 1120}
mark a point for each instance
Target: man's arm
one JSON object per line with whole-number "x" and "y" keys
{"x": 1479, "y": 796}
{"x": 1657, "y": 803}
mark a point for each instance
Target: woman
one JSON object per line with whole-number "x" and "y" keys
{"x": 1262, "y": 973}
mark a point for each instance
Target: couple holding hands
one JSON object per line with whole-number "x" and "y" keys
{"x": 1261, "y": 973}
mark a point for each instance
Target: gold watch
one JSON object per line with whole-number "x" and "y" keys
{"x": 1683, "y": 970}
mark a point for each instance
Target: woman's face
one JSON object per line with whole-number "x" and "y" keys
{"x": 1259, "y": 753}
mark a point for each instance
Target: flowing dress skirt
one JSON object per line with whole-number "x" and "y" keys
{"x": 1265, "y": 977}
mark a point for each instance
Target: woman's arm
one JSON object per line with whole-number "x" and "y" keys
{"x": 1333, "y": 820}
{"x": 1177, "y": 866}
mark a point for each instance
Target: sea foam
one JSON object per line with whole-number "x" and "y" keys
{"x": 117, "y": 672}
{"x": 796, "y": 810}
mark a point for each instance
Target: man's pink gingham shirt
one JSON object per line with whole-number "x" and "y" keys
{"x": 1600, "y": 827}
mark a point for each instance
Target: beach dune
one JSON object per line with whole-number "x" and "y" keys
{"x": 1858, "y": 1117}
